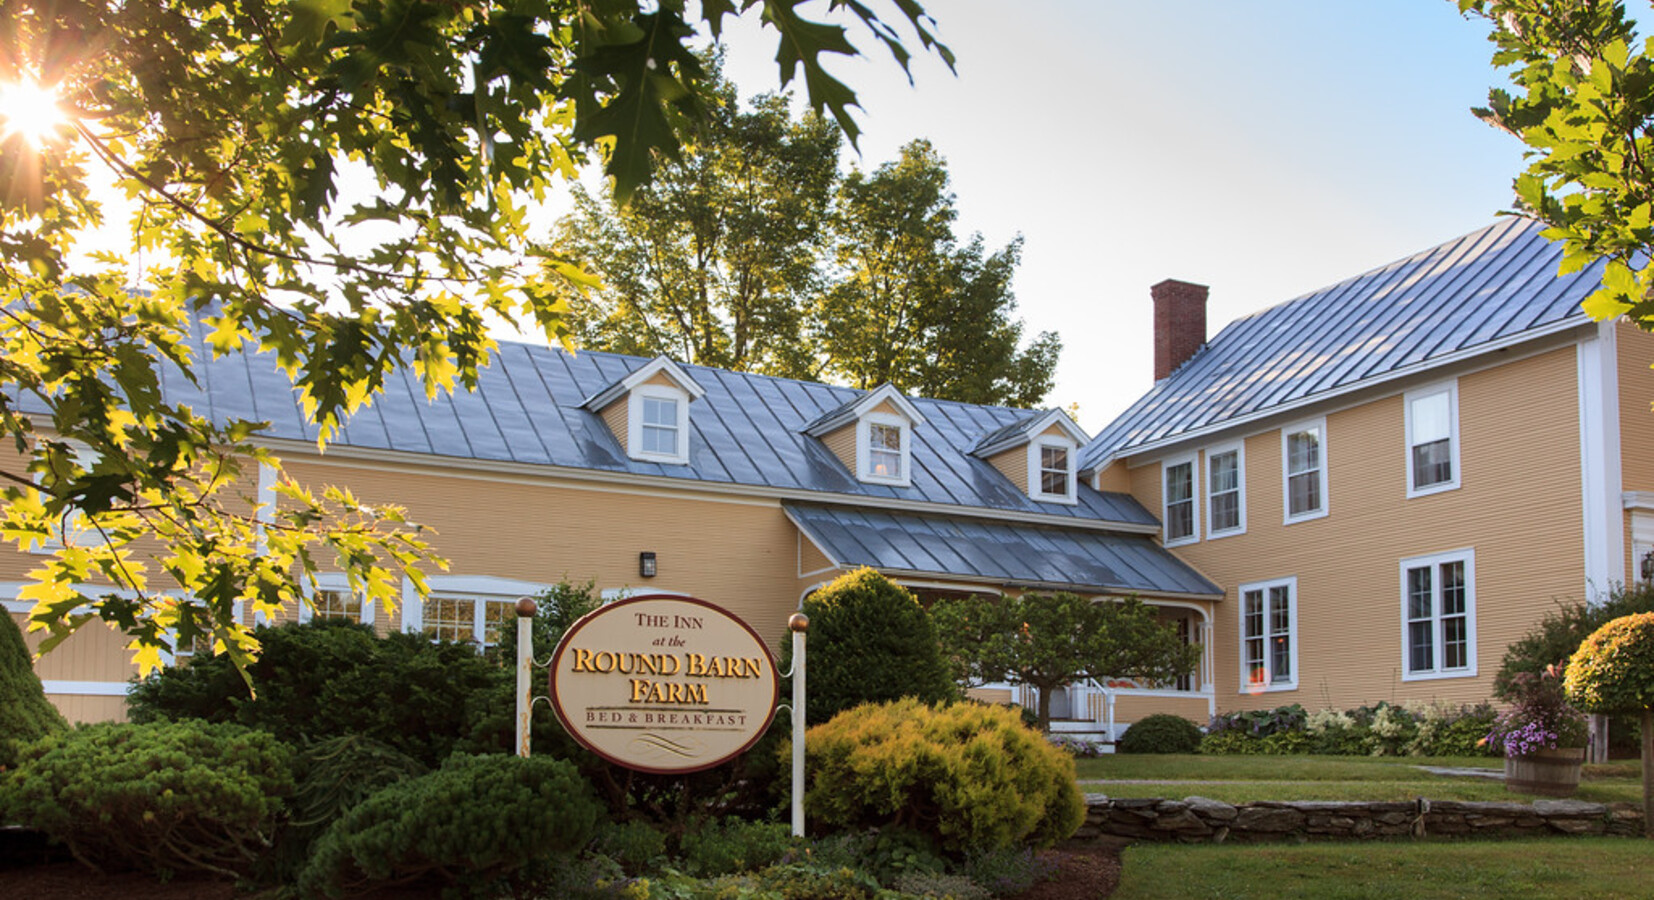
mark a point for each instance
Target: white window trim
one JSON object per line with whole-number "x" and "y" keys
{"x": 331, "y": 581}
{"x": 1239, "y": 449}
{"x": 1434, "y": 560}
{"x": 1451, "y": 388}
{"x": 489, "y": 588}
{"x": 1194, "y": 499}
{"x": 634, "y": 423}
{"x": 1320, "y": 428}
{"x": 70, "y": 523}
{"x": 1035, "y": 470}
{"x": 864, "y": 461}
{"x": 1246, "y": 686}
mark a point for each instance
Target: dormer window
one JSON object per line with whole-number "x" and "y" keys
{"x": 872, "y": 435}
{"x": 661, "y": 414}
{"x": 1038, "y": 454}
{"x": 648, "y": 411}
{"x": 884, "y": 449}
{"x": 1053, "y": 479}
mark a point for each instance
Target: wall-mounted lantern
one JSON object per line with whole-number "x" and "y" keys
{"x": 646, "y": 564}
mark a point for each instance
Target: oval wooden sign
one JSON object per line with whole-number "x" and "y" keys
{"x": 664, "y": 684}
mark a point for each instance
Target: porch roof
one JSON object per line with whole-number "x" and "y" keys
{"x": 1003, "y": 553}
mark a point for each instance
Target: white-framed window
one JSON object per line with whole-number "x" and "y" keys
{"x": 1438, "y": 615}
{"x": 1178, "y": 491}
{"x": 883, "y": 448}
{"x": 658, "y": 417}
{"x": 1269, "y": 635}
{"x": 1051, "y": 470}
{"x": 1225, "y": 490}
{"x": 475, "y": 608}
{"x": 333, "y": 599}
{"x": 1432, "y": 439}
{"x": 1304, "y": 470}
{"x": 73, "y": 528}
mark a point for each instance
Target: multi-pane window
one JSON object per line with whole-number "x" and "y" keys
{"x": 1432, "y": 458}
{"x": 473, "y": 619}
{"x": 660, "y": 425}
{"x": 1438, "y": 602}
{"x": 346, "y": 605}
{"x": 1180, "y": 501}
{"x": 1268, "y": 624}
{"x": 1223, "y": 491}
{"x": 1053, "y": 470}
{"x": 884, "y": 450}
{"x": 1305, "y": 472}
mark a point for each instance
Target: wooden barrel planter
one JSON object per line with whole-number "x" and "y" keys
{"x": 1548, "y": 773}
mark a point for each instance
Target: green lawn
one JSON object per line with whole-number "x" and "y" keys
{"x": 1241, "y": 779}
{"x": 1575, "y": 868}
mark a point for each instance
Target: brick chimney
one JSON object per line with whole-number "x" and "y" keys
{"x": 1179, "y": 324}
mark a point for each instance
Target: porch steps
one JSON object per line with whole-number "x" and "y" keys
{"x": 1083, "y": 730}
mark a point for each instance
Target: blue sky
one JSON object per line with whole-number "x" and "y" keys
{"x": 1263, "y": 148}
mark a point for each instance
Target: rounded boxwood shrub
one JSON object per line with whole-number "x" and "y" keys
{"x": 1161, "y": 733}
{"x": 164, "y": 797}
{"x": 971, "y": 776}
{"x": 870, "y": 641}
{"x": 25, "y": 713}
{"x": 472, "y": 823}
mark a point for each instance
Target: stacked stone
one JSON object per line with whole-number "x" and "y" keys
{"x": 1202, "y": 820}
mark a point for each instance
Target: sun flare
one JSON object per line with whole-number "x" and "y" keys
{"x": 31, "y": 111}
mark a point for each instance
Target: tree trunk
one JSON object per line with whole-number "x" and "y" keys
{"x": 1648, "y": 772}
{"x": 1044, "y": 694}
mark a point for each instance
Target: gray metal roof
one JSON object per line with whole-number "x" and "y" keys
{"x": 746, "y": 430}
{"x": 998, "y": 552}
{"x": 1485, "y": 290}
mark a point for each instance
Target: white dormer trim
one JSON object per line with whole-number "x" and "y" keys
{"x": 844, "y": 415}
{"x": 1035, "y": 426}
{"x": 636, "y": 404}
{"x": 660, "y": 365}
{"x": 864, "y": 449}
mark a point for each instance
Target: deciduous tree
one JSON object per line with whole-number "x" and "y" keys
{"x": 1047, "y": 641}
{"x": 341, "y": 183}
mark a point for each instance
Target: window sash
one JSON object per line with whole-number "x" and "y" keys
{"x": 660, "y": 425}
{"x": 884, "y": 450}
{"x": 1053, "y": 472}
{"x": 1223, "y": 490}
{"x": 1438, "y": 618}
{"x": 458, "y": 618}
{"x": 1303, "y": 469}
{"x": 1267, "y": 637}
{"x": 334, "y": 604}
{"x": 1180, "y": 501}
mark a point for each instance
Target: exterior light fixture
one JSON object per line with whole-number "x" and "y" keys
{"x": 646, "y": 564}
{"x": 1648, "y": 566}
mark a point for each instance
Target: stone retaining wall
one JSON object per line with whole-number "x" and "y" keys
{"x": 1201, "y": 820}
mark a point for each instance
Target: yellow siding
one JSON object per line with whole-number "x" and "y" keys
{"x": 664, "y": 380}
{"x": 886, "y": 408}
{"x": 739, "y": 555}
{"x": 1518, "y": 507}
{"x": 841, "y": 442}
{"x": 78, "y": 708}
{"x": 989, "y": 695}
{"x": 1115, "y": 478}
{"x": 1128, "y": 708}
{"x": 1636, "y": 393}
{"x": 1013, "y": 464}
{"x": 1054, "y": 431}
{"x": 615, "y": 416}
{"x": 810, "y": 557}
{"x": 93, "y": 653}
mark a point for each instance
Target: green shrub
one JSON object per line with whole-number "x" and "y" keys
{"x": 1161, "y": 733}
{"x": 161, "y": 797}
{"x": 1388, "y": 729}
{"x": 1007, "y": 873}
{"x": 314, "y": 682}
{"x": 333, "y": 776}
{"x": 472, "y": 823}
{"x": 1445, "y": 731}
{"x": 972, "y": 776}
{"x": 802, "y": 881}
{"x": 1218, "y": 743}
{"x": 1559, "y": 633}
{"x": 636, "y": 847}
{"x": 1287, "y": 743}
{"x": 870, "y": 641}
{"x": 886, "y": 854}
{"x": 1261, "y": 722}
{"x": 733, "y": 845}
{"x": 940, "y": 886}
{"x": 25, "y": 713}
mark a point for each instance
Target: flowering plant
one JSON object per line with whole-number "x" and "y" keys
{"x": 1541, "y": 718}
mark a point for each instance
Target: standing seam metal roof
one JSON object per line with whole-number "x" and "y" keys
{"x": 1485, "y": 288}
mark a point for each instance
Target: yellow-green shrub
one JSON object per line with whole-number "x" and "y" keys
{"x": 971, "y": 775}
